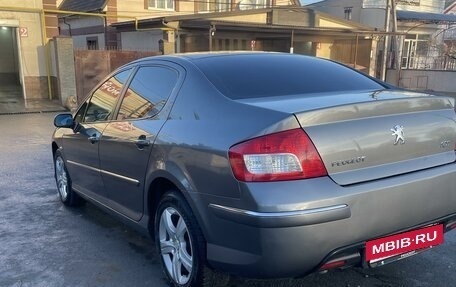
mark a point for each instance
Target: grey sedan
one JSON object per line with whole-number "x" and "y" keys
{"x": 262, "y": 164}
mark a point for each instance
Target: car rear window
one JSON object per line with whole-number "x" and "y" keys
{"x": 269, "y": 75}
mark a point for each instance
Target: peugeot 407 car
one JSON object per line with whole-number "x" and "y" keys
{"x": 262, "y": 164}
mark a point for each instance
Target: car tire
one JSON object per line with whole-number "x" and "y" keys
{"x": 181, "y": 245}
{"x": 63, "y": 181}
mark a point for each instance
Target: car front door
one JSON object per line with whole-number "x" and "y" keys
{"x": 128, "y": 140}
{"x": 81, "y": 146}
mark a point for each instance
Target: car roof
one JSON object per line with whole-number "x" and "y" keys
{"x": 195, "y": 56}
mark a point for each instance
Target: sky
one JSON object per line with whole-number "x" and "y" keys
{"x": 307, "y": 2}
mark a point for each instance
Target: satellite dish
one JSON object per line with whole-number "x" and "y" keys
{"x": 245, "y": 4}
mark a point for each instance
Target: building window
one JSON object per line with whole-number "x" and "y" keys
{"x": 251, "y": 4}
{"x": 161, "y": 4}
{"x": 205, "y": 6}
{"x": 348, "y": 13}
{"x": 416, "y": 51}
{"x": 223, "y": 5}
{"x": 92, "y": 43}
{"x": 214, "y": 6}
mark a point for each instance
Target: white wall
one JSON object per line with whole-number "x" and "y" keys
{"x": 439, "y": 81}
{"x": 141, "y": 40}
{"x": 80, "y": 42}
{"x": 76, "y": 24}
{"x": 336, "y": 8}
{"x": 373, "y": 17}
{"x": 81, "y": 22}
{"x": 369, "y": 17}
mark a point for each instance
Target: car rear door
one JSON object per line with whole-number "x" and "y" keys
{"x": 128, "y": 140}
{"x": 81, "y": 146}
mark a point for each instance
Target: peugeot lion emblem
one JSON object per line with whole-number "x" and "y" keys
{"x": 398, "y": 131}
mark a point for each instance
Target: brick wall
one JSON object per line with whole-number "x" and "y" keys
{"x": 51, "y": 21}
{"x": 37, "y": 87}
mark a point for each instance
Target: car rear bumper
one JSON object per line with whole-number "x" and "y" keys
{"x": 288, "y": 229}
{"x": 283, "y": 218}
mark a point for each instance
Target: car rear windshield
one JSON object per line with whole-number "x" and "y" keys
{"x": 269, "y": 75}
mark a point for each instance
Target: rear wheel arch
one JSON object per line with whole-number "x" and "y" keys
{"x": 159, "y": 186}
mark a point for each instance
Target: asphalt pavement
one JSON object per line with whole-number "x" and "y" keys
{"x": 43, "y": 243}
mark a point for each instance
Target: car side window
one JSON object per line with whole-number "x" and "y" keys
{"x": 103, "y": 101}
{"x": 148, "y": 92}
{"x": 80, "y": 114}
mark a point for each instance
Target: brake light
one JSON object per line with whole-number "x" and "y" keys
{"x": 287, "y": 155}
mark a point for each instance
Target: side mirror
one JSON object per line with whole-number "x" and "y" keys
{"x": 64, "y": 121}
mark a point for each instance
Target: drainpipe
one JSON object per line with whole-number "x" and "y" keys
{"x": 356, "y": 51}
{"x": 292, "y": 42}
{"x": 106, "y": 37}
{"x": 68, "y": 24}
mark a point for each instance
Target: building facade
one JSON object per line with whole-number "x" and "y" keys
{"x": 93, "y": 32}
{"x": 281, "y": 29}
{"x": 418, "y": 26}
{"x": 24, "y": 33}
{"x": 181, "y": 26}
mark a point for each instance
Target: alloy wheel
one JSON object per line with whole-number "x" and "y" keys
{"x": 175, "y": 245}
{"x": 61, "y": 177}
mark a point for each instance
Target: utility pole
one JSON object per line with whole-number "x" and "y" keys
{"x": 397, "y": 45}
{"x": 386, "y": 41}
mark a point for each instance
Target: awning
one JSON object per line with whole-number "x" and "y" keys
{"x": 82, "y": 6}
{"x": 431, "y": 18}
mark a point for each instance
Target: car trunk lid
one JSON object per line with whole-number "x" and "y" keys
{"x": 366, "y": 136}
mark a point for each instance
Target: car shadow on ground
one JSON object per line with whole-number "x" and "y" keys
{"x": 143, "y": 246}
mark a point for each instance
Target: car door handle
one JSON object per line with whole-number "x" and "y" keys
{"x": 141, "y": 143}
{"x": 93, "y": 139}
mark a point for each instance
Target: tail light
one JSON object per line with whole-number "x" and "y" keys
{"x": 287, "y": 155}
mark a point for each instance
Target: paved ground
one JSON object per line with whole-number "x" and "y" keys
{"x": 46, "y": 244}
{"x": 12, "y": 102}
